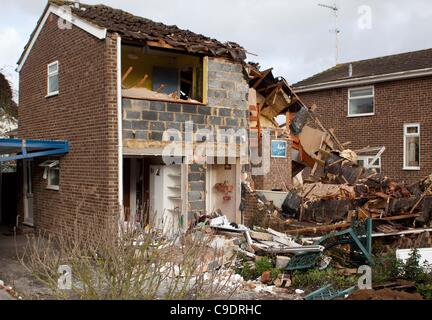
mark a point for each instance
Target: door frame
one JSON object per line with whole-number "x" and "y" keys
{"x": 237, "y": 188}
{"x": 28, "y": 196}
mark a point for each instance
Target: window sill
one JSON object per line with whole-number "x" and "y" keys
{"x": 361, "y": 115}
{"x": 54, "y": 94}
{"x": 54, "y": 188}
{"x": 411, "y": 169}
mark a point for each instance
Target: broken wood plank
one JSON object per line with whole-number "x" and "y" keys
{"x": 128, "y": 72}
{"x": 400, "y": 217}
{"x": 260, "y": 236}
{"x": 421, "y": 198}
{"x": 314, "y": 230}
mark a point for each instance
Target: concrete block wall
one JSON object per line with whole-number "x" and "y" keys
{"x": 227, "y": 108}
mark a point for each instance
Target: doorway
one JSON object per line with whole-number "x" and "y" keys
{"x": 154, "y": 193}
{"x": 224, "y": 190}
{"x": 28, "y": 192}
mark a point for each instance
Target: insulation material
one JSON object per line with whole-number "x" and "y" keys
{"x": 311, "y": 140}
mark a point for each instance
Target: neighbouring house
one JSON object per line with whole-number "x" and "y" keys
{"x": 121, "y": 89}
{"x": 377, "y": 103}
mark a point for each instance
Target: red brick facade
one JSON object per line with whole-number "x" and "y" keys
{"x": 396, "y": 103}
{"x": 279, "y": 178}
{"x": 84, "y": 113}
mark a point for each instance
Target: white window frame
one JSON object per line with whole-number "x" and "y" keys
{"x": 49, "y": 75}
{"x": 406, "y": 135}
{"x": 49, "y": 166}
{"x": 367, "y": 159}
{"x": 361, "y": 97}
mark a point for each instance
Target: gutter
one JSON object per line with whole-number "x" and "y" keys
{"x": 365, "y": 80}
{"x": 120, "y": 128}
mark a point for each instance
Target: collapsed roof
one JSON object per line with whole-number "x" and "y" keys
{"x": 138, "y": 29}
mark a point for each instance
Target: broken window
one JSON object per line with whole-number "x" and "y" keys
{"x": 162, "y": 75}
{"x": 52, "y": 173}
{"x": 367, "y": 162}
{"x": 361, "y": 102}
{"x": 53, "y": 78}
{"x": 412, "y": 147}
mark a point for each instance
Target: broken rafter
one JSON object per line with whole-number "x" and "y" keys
{"x": 263, "y": 75}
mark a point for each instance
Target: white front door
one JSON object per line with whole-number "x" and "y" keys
{"x": 28, "y": 192}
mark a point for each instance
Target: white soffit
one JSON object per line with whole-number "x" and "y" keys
{"x": 92, "y": 29}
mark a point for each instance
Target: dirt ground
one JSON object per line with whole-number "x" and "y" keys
{"x": 12, "y": 272}
{"x": 384, "y": 294}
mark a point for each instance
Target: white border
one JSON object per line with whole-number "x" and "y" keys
{"x": 373, "y": 102}
{"x": 286, "y": 152}
{"x": 54, "y": 93}
{"x": 405, "y": 135}
{"x": 120, "y": 127}
{"x": 94, "y": 30}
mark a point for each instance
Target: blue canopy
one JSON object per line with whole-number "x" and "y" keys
{"x": 18, "y": 149}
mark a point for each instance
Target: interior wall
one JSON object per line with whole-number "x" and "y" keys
{"x": 143, "y": 60}
{"x": 219, "y": 174}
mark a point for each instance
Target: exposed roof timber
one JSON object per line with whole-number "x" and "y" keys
{"x": 94, "y": 30}
{"x": 365, "y": 80}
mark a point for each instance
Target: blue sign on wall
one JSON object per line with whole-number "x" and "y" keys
{"x": 278, "y": 149}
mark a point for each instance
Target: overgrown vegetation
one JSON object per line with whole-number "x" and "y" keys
{"x": 252, "y": 271}
{"x": 314, "y": 279}
{"x": 388, "y": 268}
{"x": 113, "y": 262}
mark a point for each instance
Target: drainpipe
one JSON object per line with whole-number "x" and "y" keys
{"x": 120, "y": 128}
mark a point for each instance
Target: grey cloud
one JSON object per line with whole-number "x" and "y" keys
{"x": 291, "y": 36}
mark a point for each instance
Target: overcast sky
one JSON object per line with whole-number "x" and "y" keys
{"x": 294, "y": 37}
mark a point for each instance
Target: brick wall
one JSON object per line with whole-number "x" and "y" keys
{"x": 84, "y": 113}
{"x": 396, "y": 103}
{"x": 280, "y": 175}
{"x": 249, "y": 206}
{"x": 226, "y": 109}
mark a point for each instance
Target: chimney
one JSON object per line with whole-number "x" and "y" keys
{"x": 77, "y": 4}
{"x": 350, "y": 70}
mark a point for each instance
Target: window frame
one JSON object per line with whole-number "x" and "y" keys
{"x": 49, "y": 75}
{"x": 366, "y": 160}
{"x": 49, "y": 166}
{"x": 50, "y": 171}
{"x": 350, "y": 115}
{"x": 407, "y": 135}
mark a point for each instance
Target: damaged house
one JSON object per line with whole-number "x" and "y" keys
{"x": 118, "y": 89}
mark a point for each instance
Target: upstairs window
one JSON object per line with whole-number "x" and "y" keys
{"x": 361, "y": 102}
{"x": 412, "y": 146}
{"x": 53, "y": 79}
